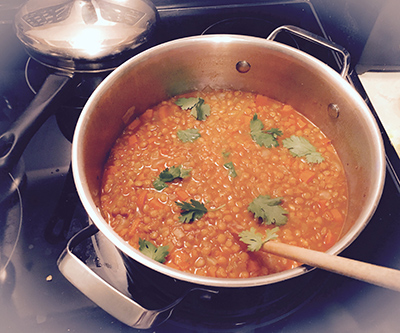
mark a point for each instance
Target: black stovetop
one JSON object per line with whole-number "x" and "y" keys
{"x": 34, "y": 295}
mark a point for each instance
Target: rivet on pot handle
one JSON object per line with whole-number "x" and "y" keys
{"x": 317, "y": 40}
{"x": 103, "y": 294}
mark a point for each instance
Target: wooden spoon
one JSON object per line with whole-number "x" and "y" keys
{"x": 377, "y": 275}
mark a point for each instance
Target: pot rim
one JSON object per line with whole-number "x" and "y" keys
{"x": 94, "y": 212}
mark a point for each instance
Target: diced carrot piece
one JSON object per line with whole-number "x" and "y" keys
{"x": 134, "y": 124}
{"x": 164, "y": 112}
{"x": 287, "y": 107}
{"x": 306, "y": 176}
{"x": 153, "y": 140}
{"x": 290, "y": 121}
{"x": 141, "y": 199}
{"x": 301, "y": 123}
{"x": 147, "y": 115}
{"x": 182, "y": 195}
{"x": 155, "y": 204}
{"x": 262, "y": 100}
{"x": 133, "y": 227}
{"x": 133, "y": 140}
{"x": 337, "y": 216}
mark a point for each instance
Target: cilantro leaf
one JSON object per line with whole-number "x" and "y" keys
{"x": 159, "y": 185}
{"x": 299, "y": 146}
{"x": 187, "y": 103}
{"x": 271, "y": 234}
{"x": 275, "y": 132}
{"x": 170, "y": 174}
{"x": 231, "y": 168}
{"x": 198, "y": 108}
{"x": 153, "y": 252}
{"x": 255, "y": 240}
{"x": 269, "y": 210}
{"x": 256, "y": 124}
{"x": 188, "y": 135}
{"x": 263, "y": 138}
{"x": 191, "y": 211}
{"x": 314, "y": 157}
{"x": 252, "y": 239}
{"x": 201, "y": 111}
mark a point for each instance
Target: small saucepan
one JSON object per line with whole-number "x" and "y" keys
{"x": 76, "y": 36}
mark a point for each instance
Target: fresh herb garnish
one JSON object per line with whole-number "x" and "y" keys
{"x": 188, "y": 135}
{"x": 187, "y": 103}
{"x": 198, "y": 108}
{"x": 191, "y": 211}
{"x": 170, "y": 174}
{"x": 263, "y": 138}
{"x": 299, "y": 146}
{"x": 231, "y": 168}
{"x": 255, "y": 240}
{"x": 152, "y": 251}
{"x": 275, "y": 132}
{"x": 269, "y": 210}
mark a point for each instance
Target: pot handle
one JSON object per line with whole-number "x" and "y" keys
{"x": 16, "y": 138}
{"x": 317, "y": 40}
{"x": 105, "y": 295}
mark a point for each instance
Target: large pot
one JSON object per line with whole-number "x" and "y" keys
{"x": 234, "y": 62}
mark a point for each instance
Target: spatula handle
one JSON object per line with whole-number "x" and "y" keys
{"x": 377, "y": 275}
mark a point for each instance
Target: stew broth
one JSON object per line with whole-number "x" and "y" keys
{"x": 227, "y": 170}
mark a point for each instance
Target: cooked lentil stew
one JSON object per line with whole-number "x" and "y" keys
{"x": 218, "y": 161}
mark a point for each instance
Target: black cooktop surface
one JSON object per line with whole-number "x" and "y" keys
{"x": 35, "y": 226}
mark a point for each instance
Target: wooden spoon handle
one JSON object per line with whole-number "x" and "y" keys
{"x": 377, "y": 275}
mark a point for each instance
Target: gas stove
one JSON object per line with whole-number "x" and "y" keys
{"x": 38, "y": 219}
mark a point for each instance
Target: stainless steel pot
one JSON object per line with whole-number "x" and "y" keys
{"x": 232, "y": 62}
